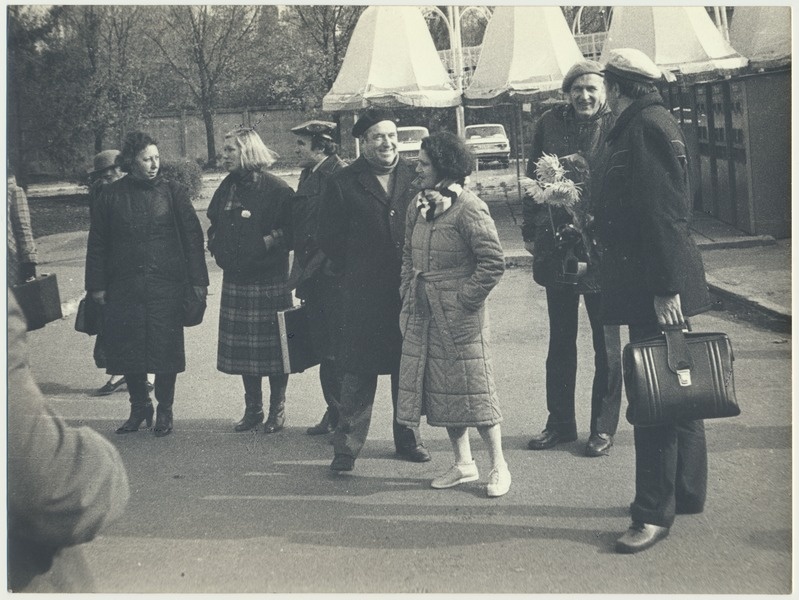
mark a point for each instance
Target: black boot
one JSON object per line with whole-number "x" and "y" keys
{"x": 253, "y": 413}
{"x": 165, "y": 395}
{"x": 163, "y": 420}
{"x": 277, "y": 403}
{"x": 324, "y": 426}
{"x": 140, "y": 410}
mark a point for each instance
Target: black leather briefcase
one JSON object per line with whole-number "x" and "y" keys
{"x": 39, "y": 300}
{"x": 679, "y": 376}
{"x": 295, "y": 340}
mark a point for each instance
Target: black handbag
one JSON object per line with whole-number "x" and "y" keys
{"x": 295, "y": 340}
{"x": 39, "y": 300}
{"x": 679, "y": 376}
{"x": 89, "y": 317}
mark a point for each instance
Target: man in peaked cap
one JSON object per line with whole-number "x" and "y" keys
{"x": 311, "y": 276}
{"x": 574, "y": 131}
{"x": 362, "y": 231}
{"x": 652, "y": 276}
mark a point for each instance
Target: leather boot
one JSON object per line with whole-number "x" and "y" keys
{"x": 324, "y": 426}
{"x": 253, "y": 413}
{"x": 163, "y": 417}
{"x": 141, "y": 409}
{"x": 277, "y": 403}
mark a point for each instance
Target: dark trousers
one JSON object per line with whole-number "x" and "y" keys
{"x": 561, "y": 366}
{"x": 164, "y": 388}
{"x": 670, "y": 464}
{"x": 355, "y": 414}
{"x": 330, "y": 381}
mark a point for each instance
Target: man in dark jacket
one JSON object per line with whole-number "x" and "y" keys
{"x": 311, "y": 276}
{"x": 362, "y": 230}
{"x": 576, "y": 131}
{"x": 652, "y": 276}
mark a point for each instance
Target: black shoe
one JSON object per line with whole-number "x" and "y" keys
{"x": 599, "y": 444}
{"x": 163, "y": 422}
{"x": 342, "y": 462}
{"x": 417, "y": 454}
{"x": 138, "y": 414}
{"x": 550, "y": 438}
{"x": 109, "y": 388}
{"x": 324, "y": 426}
{"x": 640, "y": 536}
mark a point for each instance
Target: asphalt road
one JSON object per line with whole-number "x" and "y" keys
{"x": 216, "y": 511}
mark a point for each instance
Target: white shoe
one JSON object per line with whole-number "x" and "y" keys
{"x": 498, "y": 482}
{"x": 458, "y": 473}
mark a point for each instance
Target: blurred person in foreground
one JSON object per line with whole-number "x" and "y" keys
{"x": 652, "y": 276}
{"x": 145, "y": 247}
{"x": 575, "y": 132}
{"x": 105, "y": 170}
{"x": 64, "y": 483}
{"x": 311, "y": 276}
{"x": 249, "y": 239}
{"x": 21, "y": 254}
{"x": 451, "y": 261}
{"x": 362, "y": 230}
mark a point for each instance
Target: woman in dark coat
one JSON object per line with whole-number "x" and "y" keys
{"x": 145, "y": 247}
{"x": 451, "y": 260}
{"x": 250, "y": 226}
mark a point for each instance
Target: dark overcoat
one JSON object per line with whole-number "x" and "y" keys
{"x": 137, "y": 255}
{"x": 643, "y": 207}
{"x": 311, "y": 276}
{"x": 362, "y": 230}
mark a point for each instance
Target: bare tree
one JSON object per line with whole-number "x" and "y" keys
{"x": 208, "y": 48}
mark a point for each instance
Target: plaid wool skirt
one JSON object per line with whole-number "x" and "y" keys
{"x": 249, "y": 338}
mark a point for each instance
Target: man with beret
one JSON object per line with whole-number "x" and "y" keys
{"x": 575, "y": 132}
{"x": 652, "y": 276}
{"x": 362, "y": 231}
{"x": 311, "y": 275}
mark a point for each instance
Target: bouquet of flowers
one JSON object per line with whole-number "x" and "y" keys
{"x": 554, "y": 189}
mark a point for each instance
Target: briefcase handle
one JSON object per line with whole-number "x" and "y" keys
{"x": 679, "y": 357}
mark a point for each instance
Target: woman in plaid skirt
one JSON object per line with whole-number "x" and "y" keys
{"x": 248, "y": 237}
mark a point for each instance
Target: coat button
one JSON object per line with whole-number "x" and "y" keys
{"x": 392, "y": 212}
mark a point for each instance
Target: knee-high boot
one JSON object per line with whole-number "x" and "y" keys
{"x": 277, "y": 403}
{"x": 253, "y": 413}
{"x": 165, "y": 395}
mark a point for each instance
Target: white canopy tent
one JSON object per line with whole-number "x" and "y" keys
{"x": 391, "y": 62}
{"x": 762, "y": 34}
{"x": 526, "y": 51}
{"x": 682, "y": 39}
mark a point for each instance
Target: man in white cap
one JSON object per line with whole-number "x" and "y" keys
{"x": 652, "y": 276}
{"x": 310, "y": 272}
{"x": 362, "y": 231}
{"x": 575, "y": 131}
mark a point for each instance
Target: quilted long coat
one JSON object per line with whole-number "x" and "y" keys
{"x": 450, "y": 264}
{"x": 137, "y": 256}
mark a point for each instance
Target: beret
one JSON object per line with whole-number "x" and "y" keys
{"x": 584, "y": 67}
{"x": 104, "y": 160}
{"x": 314, "y": 128}
{"x": 369, "y": 118}
{"x": 632, "y": 64}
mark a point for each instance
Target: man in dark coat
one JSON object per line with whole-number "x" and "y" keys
{"x": 310, "y": 275}
{"x": 652, "y": 276}
{"x": 362, "y": 230}
{"x": 576, "y": 130}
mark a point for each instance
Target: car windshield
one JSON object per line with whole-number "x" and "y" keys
{"x": 411, "y": 135}
{"x": 484, "y": 131}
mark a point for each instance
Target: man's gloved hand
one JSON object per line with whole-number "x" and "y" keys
{"x": 27, "y": 270}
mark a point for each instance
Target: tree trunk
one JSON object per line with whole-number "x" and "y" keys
{"x": 208, "y": 118}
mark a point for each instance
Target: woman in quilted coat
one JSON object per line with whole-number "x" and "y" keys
{"x": 451, "y": 260}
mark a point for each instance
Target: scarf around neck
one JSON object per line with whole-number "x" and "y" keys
{"x": 436, "y": 201}
{"x": 379, "y": 169}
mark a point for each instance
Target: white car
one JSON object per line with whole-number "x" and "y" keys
{"x": 409, "y": 141}
{"x": 488, "y": 142}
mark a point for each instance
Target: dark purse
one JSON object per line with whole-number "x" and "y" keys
{"x": 89, "y": 317}
{"x": 39, "y": 300}
{"x": 679, "y": 376}
{"x": 295, "y": 339}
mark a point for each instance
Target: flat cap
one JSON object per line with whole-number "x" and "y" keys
{"x": 584, "y": 67}
{"x": 369, "y": 118}
{"x": 104, "y": 160}
{"x": 315, "y": 128}
{"x": 632, "y": 64}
